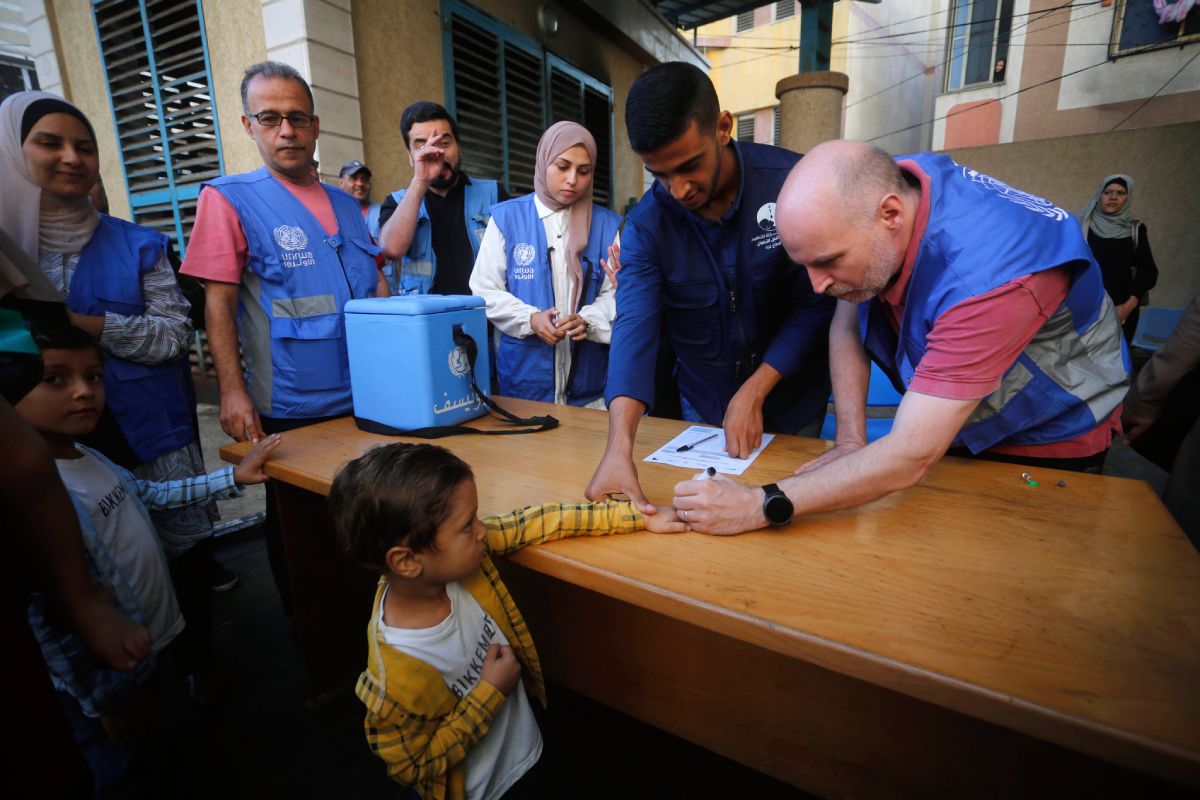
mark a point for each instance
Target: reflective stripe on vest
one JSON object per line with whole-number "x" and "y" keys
{"x": 150, "y": 402}
{"x": 296, "y": 283}
{"x": 1074, "y": 371}
{"x": 525, "y": 367}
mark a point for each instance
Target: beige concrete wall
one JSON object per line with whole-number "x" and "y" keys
{"x": 399, "y": 49}
{"x": 1161, "y": 161}
{"x": 399, "y": 52}
{"x": 83, "y": 84}
{"x": 234, "y": 29}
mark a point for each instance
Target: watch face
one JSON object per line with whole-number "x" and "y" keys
{"x": 777, "y": 508}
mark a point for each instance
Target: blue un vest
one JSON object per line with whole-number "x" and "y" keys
{"x": 151, "y": 403}
{"x": 419, "y": 265}
{"x": 297, "y": 281}
{"x": 525, "y": 367}
{"x": 1038, "y": 402}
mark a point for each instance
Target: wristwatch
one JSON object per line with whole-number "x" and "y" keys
{"x": 777, "y": 508}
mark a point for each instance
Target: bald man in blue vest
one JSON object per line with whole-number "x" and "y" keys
{"x": 981, "y": 302}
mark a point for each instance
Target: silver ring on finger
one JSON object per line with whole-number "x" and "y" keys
{"x": 683, "y": 513}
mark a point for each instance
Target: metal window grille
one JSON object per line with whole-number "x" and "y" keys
{"x": 777, "y": 126}
{"x": 505, "y": 90}
{"x": 1136, "y": 28}
{"x": 577, "y": 97}
{"x": 745, "y": 22}
{"x": 785, "y": 9}
{"x": 745, "y": 128}
{"x": 978, "y": 41}
{"x": 156, "y": 63}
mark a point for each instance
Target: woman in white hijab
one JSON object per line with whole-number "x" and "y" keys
{"x": 541, "y": 272}
{"x": 1122, "y": 248}
{"x": 118, "y": 285}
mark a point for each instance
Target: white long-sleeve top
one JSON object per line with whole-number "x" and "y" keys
{"x": 511, "y": 315}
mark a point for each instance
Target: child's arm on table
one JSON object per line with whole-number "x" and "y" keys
{"x": 413, "y": 755}
{"x": 221, "y": 484}
{"x": 551, "y": 521}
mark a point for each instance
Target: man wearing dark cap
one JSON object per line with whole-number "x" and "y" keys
{"x": 355, "y": 180}
{"x": 434, "y": 227}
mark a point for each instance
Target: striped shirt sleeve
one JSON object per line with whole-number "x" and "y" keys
{"x": 181, "y": 492}
{"x": 163, "y": 332}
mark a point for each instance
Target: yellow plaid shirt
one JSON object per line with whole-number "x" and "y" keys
{"x": 414, "y": 722}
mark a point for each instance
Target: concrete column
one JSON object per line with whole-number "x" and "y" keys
{"x": 810, "y": 108}
{"x": 317, "y": 38}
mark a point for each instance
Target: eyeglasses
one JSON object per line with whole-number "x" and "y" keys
{"x": 273, "y": 119}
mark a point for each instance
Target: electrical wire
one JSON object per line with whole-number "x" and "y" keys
{"x": 1187, "y": 64}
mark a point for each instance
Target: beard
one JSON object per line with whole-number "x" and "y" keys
{"x": 882, "y": 267}
{"x": 447, "y": 177}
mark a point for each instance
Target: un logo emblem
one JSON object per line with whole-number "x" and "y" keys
{"x": 459, "y": 363}
{"x": 289, "y": 237}
{"x": 523, "y": 254}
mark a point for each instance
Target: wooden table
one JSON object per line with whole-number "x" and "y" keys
{"x": 970, "y": 634}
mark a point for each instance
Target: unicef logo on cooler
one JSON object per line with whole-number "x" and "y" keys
{"x": 289, "y": 237}
{"x": 459, "y": 363}
{"x": 766, "y": 217}
{"x": 523, "y": 254}
{"x": 1030, "y": 201}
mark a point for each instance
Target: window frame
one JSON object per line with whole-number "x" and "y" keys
{"x": 1001, "y": 35}
{"x": 549, "y": 61}
{"x": 739, "y": 18}
{"x": 1181, "y": 39}
{"x": 171, "y": 194}
{"x": 777, "y": 5}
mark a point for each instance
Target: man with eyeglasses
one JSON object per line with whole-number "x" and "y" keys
{"x": 434, "y": 227}
{"x": 280, "y": 254}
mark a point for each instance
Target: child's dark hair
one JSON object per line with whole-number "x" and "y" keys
{"x": 393, "y": 494}
{"x": 66, "y": 337}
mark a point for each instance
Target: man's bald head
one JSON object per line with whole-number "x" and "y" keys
{"x": 842, "y": 176}
{"x": 846, "y": 213}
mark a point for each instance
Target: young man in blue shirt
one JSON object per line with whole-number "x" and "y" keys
{"x": 700, "y": 254}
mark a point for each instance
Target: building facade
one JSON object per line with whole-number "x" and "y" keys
{"x": 160, "y": 80}
{"x": 1035, "y": 69}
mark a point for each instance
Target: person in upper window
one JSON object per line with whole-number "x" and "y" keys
{"x": 541, "y": 271}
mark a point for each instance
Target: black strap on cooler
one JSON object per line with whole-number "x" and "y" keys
{"x": 527, "y": 424}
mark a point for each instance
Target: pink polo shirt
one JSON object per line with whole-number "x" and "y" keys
{"x": 217, "y": 250}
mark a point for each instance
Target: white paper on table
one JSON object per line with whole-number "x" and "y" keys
{"x": 706, "y": 454}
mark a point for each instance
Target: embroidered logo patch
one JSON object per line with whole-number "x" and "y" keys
{"x": 459, "y": 363}
{"x": 1030, "y": 201}
{"x": 766, "y": 217}
{"x": 289, "y": 237}
{"x": 523, "y": 254}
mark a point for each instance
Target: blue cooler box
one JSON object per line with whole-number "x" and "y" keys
{"x": 405, "y": 369}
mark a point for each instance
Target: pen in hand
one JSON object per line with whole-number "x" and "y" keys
{"x": 684, "y": 448}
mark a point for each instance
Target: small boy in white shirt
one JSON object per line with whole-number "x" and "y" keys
{"x": 123, "y": 552}
{"x": 446, "y": 707}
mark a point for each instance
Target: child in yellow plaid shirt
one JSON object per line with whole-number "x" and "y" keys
{"x": 446, "y": 707}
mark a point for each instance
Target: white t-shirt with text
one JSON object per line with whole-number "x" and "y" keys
{"x": 133, "y": 545}
{"x": 456, "y": 647}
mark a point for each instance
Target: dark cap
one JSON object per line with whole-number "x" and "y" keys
{"x": 351, "y": 167}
